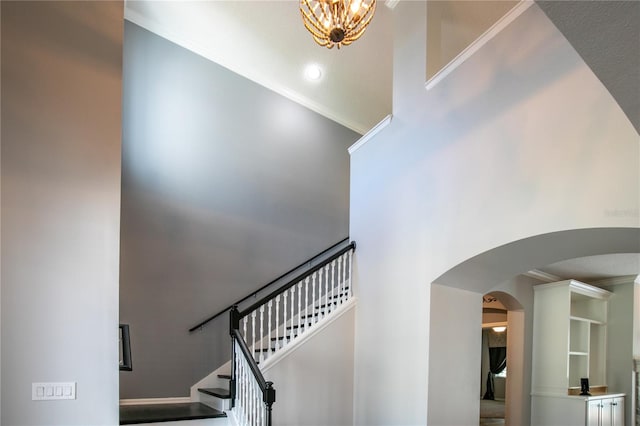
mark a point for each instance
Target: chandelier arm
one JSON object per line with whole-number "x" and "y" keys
{"x": 314, "y": 29}
{"x": 364, "y": 24}
{"x": 314, "y": 22}
{"x": 364, "y": 21}
{"x": 320, "y": 19}
{"x": 358, "y": 31}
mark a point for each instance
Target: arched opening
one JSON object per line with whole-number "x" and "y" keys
{"x": 454, "y": 301}
{"x": 502, "y": 348}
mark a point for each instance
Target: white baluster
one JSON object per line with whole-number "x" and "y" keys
{"x": 277, "y": 322}
{"x": 333, "y": 283}
{"x": 299, "y": 310}
{"x": 262, "y": 415}
{"x": 316, "y": 315}
{"x": 269, "y": 338}
{"x": 293, "y": 302}
{"x": 253, "y": 333}
{"x": 284, "y": 318}
{"x": 260, "y": 404}
{"x": 350, "y": 253}
{"x": 313, "y": 298}
{"x": 306, "y": 303}
{"x": 325, "y": 312}
{"x": 251, "y": 400}
{"x": 341, "y": 286}
{"x": 244, "y": 328}
{"x": 262, "y": 336}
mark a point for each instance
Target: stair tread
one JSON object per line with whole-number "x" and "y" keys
{"x": 273, "y": 339}
{"x": 154, "y": 413}
{"x": 217, "y": 392}
{"x": 289, "y": 327}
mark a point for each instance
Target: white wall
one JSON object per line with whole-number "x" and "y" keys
{"x": 620, "y": 343}
{"x": 314, "y": 383}
{"x": 61, "y": 114}
{"x": 521, "y": 140}
{"x": 455, "y": 327}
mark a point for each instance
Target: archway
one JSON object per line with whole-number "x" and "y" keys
{"x": 501, "y": 269}
{"x": 514, "y": 388}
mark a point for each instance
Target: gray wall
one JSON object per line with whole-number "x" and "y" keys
{"x": 61, "y": 115}
{"x": 226, "y": 185}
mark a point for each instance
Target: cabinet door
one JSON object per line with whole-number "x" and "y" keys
{"x": 607, "y": 411}
{"x": 617, "y": 411}
{"x": 594, "y": 413}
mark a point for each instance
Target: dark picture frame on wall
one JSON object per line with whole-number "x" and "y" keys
{"x": 125, "y": 348}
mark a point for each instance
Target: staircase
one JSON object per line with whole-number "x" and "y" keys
{"x": 262, "y": 334}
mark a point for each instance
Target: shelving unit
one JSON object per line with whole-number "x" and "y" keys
{"x": 569, "y": 336}
{"x": 569, "y": 343}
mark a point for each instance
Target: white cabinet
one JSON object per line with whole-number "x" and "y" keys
{"x": 568, "y": 410}
{"x": 569, "y": 337}
{"x": 605, "y": 411}
{"x": 569, "y": 343}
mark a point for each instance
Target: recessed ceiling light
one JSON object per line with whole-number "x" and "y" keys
{"x": 313, "y": 72}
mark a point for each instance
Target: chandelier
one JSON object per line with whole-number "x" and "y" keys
{"x": 336, "y": 22}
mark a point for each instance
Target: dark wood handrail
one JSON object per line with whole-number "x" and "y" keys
{"x": 252, "y": 294}
{"x": 252, "y": 363}
{"x": 268, "y": 392}
{"x": 245, "y": 312}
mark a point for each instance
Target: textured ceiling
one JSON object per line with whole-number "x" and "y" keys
{"x": 607, "y": 36}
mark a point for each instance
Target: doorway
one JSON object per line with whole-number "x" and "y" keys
{"x": 502, "y": 355}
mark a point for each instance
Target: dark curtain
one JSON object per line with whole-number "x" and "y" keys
{"x": 497, "y": 363}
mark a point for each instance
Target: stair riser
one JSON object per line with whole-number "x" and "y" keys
{"x": 200, "y": 422}
{"x": 215, "y": 402}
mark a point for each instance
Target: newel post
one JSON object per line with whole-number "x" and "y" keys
{"x": 269, "y": 397}
{"x": 234, "y": 324}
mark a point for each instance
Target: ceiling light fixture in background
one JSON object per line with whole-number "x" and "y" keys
{"x": 499, "y": 329}
{"x": 313, "y": 72}
{"x": 336, "y": 22}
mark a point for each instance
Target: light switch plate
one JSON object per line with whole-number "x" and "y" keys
{"x": 53, "y": 391}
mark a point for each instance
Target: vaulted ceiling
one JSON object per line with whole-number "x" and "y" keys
{"x": 265, "y": 41}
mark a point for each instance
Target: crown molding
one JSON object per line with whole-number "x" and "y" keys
{"x": 371, "y": 133}
{"x": 625, "y": 279}
{"x": 207, "y": 53}
{"x": 391, "y": 4}
{"x": 542, "y": 276}
{"x": 493, "y": 31}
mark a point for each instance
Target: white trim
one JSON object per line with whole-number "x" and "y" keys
{"x": 144, "y": 401}
{"x": 371, "y": 133}
{"x": 577, "y": 287}
{"x": 315, "y": 329}
{"x": 626, "y": 279}
{"x": 586, "y": 398}
{"x": 391, "y": 4}
{"x": 199, "y": 49}
{"x": 494, "y": 30}
{"x": 542, "y": 276}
